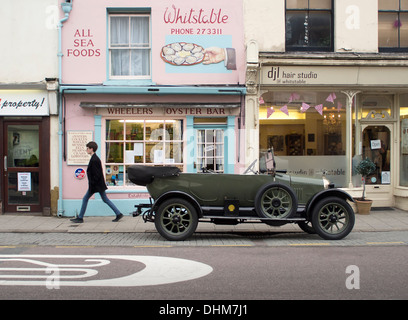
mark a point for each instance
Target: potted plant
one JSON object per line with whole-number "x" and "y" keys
{"x": 365, "y": 168}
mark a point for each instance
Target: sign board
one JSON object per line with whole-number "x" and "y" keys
{"x": 80, "y": 173}
{"x": 24, "y": 103}
{"x": 333, "y": 75}
{"x": 375, "y": 144}
{"x": 24, "y": 181}
{"x": 76, "y": 147}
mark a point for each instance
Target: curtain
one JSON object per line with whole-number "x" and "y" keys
{"x": 130, "y": 46}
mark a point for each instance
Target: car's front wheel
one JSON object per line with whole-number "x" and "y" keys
{"x": 333, "y": 218}
{"x": 176, "y": 219}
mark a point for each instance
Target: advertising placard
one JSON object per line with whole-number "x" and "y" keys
{"x": 76, "y": 147}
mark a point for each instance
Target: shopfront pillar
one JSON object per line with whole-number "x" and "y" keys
{"x": 350, "y": 95}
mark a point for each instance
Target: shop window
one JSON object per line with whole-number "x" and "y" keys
{"x": 376, "y": 107}
{"x": 129, "y": 46}
{"x": 404, "y": 140}
{"x": 309, "y": 25}
{"x": 307, "y": 131}
{"x": 148, "y": 142}
{"x": 210, "y": 150}
{"x": 393, "y": 25}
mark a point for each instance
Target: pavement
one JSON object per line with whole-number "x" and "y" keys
{"x": 379, "y": 220}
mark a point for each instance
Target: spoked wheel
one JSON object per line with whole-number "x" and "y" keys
{"x": 276, "y": 201}
{"x": 333, "y": 218}
{"x": 176, "y": 219}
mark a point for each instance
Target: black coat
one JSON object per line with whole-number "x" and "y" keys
{"x": 96, "y": 180}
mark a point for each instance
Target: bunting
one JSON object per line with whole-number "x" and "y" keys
{"x": 294, "y": 96}
{"x": 331, "y": 97}
{"x": 304, "y": 107}
{"x": 269, "y": 111}
{"x": 285, "y": 110}
{"x": 319, "y": 108}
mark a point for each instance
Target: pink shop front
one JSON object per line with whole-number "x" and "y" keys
{"x": 134, "y": 82}
{"x": 190, "y": 135}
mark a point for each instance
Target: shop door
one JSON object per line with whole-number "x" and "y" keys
{"x": 21, "y": 172}
{"x": 376, "y": 145}
{"x": 210, "y": 150}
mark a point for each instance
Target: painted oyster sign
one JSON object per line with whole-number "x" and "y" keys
{"x": 182, "y": 54}
{"x": 200, "y": 40}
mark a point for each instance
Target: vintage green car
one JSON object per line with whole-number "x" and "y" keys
{"x": 181, "y": 200}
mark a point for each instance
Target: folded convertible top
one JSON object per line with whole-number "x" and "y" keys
{"x": 143, "y": 175}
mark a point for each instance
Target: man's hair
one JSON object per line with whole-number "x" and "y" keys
{"x": 92, "y": 145}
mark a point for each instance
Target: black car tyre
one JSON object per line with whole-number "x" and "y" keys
{"x": 176, "y": 219}
{"x": 307, "y": 227}
{"x": 276, "y": 201}
{"x": 333, "y": 218}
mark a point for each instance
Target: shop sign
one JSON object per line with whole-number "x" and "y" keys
{"x": 333, "y": 75}
{"x": 76, "y": 147}
{"x": 170, "y": 111}
{"x": 23, "y": 103}
{"x": 167, "y": 111}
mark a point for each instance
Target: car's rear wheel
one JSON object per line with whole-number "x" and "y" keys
{"x": 176, "y": 219}
{"x": 333, "y": 218}
{"x": 275, "y": 201}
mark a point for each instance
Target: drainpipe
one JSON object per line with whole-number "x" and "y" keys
{"x": 66, "y": 8}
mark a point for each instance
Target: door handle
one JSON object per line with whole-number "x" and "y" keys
{"x": 5, "y": 163}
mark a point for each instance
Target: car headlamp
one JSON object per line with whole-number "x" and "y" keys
{"x": 326, "y": 183}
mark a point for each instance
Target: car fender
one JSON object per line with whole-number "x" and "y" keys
{"x": 326, "y": 193}
{"x": 177, "y": 194}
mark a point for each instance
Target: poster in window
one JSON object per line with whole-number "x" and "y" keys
{"x": 404, "y": 136}
{"x": 24, "y": 181}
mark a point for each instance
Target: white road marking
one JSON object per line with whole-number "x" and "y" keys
{"x": 157, "y": 271}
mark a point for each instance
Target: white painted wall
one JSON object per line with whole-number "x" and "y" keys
{"x": 356, "y": 26}
{"x": 29, "y": 40}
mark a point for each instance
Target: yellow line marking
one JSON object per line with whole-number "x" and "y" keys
{"x": 231, "y": 245}
{"x": 7, "y": 247}
{"x": 152, "y": 246}
{"x": 63, "y": 247}
{"x": 392, "y": 242}
{"x": 310, "y": 244}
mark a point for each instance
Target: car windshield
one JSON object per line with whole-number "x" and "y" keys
{"x": 267, "y": 162}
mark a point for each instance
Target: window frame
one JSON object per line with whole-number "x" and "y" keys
{"x": 392, "y": 49}
{"x": 129, "y": 15}
{"x": 124, "y": 141}
{"x": 202, "y": 149}
{"x": 312, "y": 48}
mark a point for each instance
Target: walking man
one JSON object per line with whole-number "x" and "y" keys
{"x": 96, "y": 183}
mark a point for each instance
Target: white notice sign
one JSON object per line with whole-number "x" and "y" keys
{"x": 24, "y": 181}
{"x": 76, "y": 147}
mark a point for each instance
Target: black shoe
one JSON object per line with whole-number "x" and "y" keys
{"x": 118, "y": 217}
{"x": 77, "y": 220}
